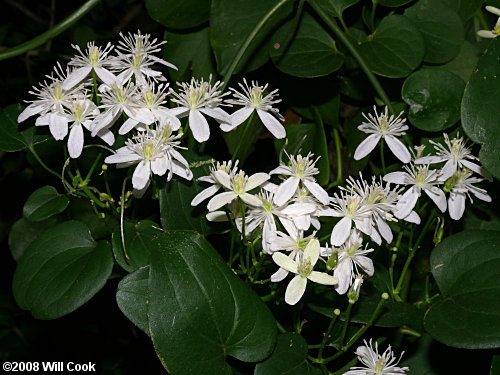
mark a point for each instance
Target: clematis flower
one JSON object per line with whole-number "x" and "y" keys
{"x": 212, "y": 179}
{"x": 303, "y": 268}
{"x": 238, "y": 186}
{"x": 456, "y": 155}
{"x": 388, "y": 128}
{"x": 490, "y": 34}
{"x": 196, "y": 99}
{"x": 375, "y": 363}
{"x": 252, "y": 98}
{"x": 420, "y": 178}
{"x": 300, "y": 172}
{"x": 154, "y": 152}
{"x": 93, "y": 59}
{"x": 460, "y": 186}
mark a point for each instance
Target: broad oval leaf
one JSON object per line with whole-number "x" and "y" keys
{"x": 466, "y": 267}
{"x": 395, "y": 49}
{"x": 434, "y": 97}
{"x": 480, "y": 109}
{"x": 200, "y": 312}
{"x": 240, "y": 17}
{"x": 137, "y": 238}
{"x": 465, "y": 8}
{"x": 393, "y": 3}
{"x": 179, "y": 14}
{"x": 441, "y": 28}
{"x": 334, "y": 8}
{"x": 44, "y": 203}
{"x": 191, "y": 53}
{"x": 311, "y": 52}
{"x": 463, "y": 64}
{"x": 11, "y": 138}
{"x": 61, "y": 270}
{"x": 288, "y": 358}
{"x": 132, "y": 298}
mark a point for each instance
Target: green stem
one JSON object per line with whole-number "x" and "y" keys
{"x": 327, "y": 335}
{"x": 248, "y": 124}
{"x": 395, "y": 254}
{"x": 49, "y": 34}
{"x": 346, "y": 323}
{"x": 364, "y": 66}
{"x": 248, "y": 40}
{"x": 45, "y": 166}
{"x": 122, "y": 216}
{"x": 382, "y": 158}
{"x": 338, "y": 153}
{"x": 92, "y": 168}
{"x": 92, "y": 196}
{"x": 372, "y": 16}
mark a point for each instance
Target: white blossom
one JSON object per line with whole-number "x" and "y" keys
{"x": 196, "y": 99}
{"x": 253, "y": 98}
{"x": 303, "y": 267}
{"x": 490, "y": 34}
{"x": 212, "y": 179}
{"x": 93, "y": 59}
{"x": 420, "y": 178}
{"x": 375, "y": 363}
{"x": 386, "y": 127}
{"x": 300, "y": 171}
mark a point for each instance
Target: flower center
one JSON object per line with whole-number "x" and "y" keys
{"x": 239, "y": 183}
{"x": 137, "y": 60}
{"x": 420, "y": 177}
{"x": 256, "y": 96}
{"x": 196, "y": 94}
{"x": 353, "y": 249}
{"x": 94, "y": 55}
{"x": 375, "y": 196}
{"x": 149, "y": 98}
{"x": 149, "y": 150}
{"x": 77, "y": 110}
{"x": 305, "y": 267}
{"x": 300, "y": 166}
{"x": 379, "y": 366}
{"x": 119, "y": 94}
{"x": 57, "y": 92}
{"x": 384, "y": 124}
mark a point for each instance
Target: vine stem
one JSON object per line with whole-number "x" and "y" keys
{"x": 248, "y": 40}
{"x": 382, "y": 157}
{"x": 45, "y": 166}
{"x": 249, "y": 123}
{"x": 354, "y": 52}
{"x": 336, "y": 313}
{"x": 338, "y": 153}
{"x": 49, "y": 34}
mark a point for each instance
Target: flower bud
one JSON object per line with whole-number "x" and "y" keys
{"x": 353, "y": 293}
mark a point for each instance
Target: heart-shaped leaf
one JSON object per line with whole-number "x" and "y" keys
{"x": 434, "y": 97}
{"x": 441, "y": 28}
{"x": 311, "y": 53}
{"x": 395, "y": 49}
{"x": 179, "y": 14}
{"x": 466, "y": 267}
{"x": 44, "y": 203}
{"x": 200, "y": 312}
{"x": 480, "y": 109}
{"x": 61, "y": 270}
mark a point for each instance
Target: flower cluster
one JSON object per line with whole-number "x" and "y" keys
{"x": 102, "y": 85}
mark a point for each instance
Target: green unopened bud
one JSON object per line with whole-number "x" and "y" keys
{"x": 353, "y": 293}
{"x": 336, "y": 312}
{"x": 450, "y": 183}
{"x": 439, "y": 231}
{"x": 385, "y": 296}
{"x": 104, "y": 167}
{"x": 333, "y": 260}
{"x": 101, "y": 215}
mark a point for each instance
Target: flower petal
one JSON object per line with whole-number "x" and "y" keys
{"x": 75, "y": 77}
{"x": 75, "y": 141}
{"x": 341, "y": 231}
{"x": 272, "y": 124}
{"x": 456, "y": 205}
{"x": 398, "y": 178}
{"x": 437, "y": 195}
{"x": 58, "y": 125}
{"x": 220, "y": 200}
{"x": 251, "y": 200}
{"x": 106, "y": 76}
{"x": 322, "y": 278}
{"x": 159, "y": 166}
{"x": 285, "y": 262}
{"x": 406, "y": 203}
{"x": 317, "y": 191}
{"x": 255, "y": 180}
{"x": 29, "y": 111}
{"x": 295, "y": 290}
{"x": 140, "y": 178}
{"x": 217, "y": 113}
{"x": 199, "y": 126}
{"x": 312, "y": 251}
{"x": 286, "y": 190}
{"x": 279, "y": 275}
{"x": 240, "y": 116}
{"x": 204, "y": 194}
{"x": 398, "y": 148}
{"x": 365, "y": 147}
{"x": 223, "y": 178}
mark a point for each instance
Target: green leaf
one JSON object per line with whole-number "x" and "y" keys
{"x": 132, "y": 298}
{"x": 395, "y": 49}
{"x": 441, "y": 28}
{"x": 138, "y": 239}
{"x": 11, "y": 138}
{"x": 466, "y": 267}
{"x": 61, "y": 270}
{"x": 191, "y": 53}
{"x": 434, "y": 97}
{"x": 230, "y": 23}
{"x": 101, "y": 226}
{"x": 463, "y": 64}
{"x": 393, "y": 3}
{"x": 465, "y": 8}
{"x": 334, "y": 8}
{"x": 179, "y": 14}
{"x": 44, "y": 203}
{"x": 24, "y": 232}
{"x": 304, "y": 138}
{"x": 200, "y": 312}
{"x": 176, "y": 211}
{"x": 495, "y": 365}
{"x": 480, "y": 109}
{"x": 288, "y": 358}
{"x": 311, "y": 53}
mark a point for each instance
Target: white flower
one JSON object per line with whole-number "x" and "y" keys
{"x": 375, "y": 363}
{"x": 461, "y": 186}
{"x": 490, "y": 34}
{"x": 351, "y": 256}
{"x": 456, "y": 155}
{"x": 252, "y": 99}
{"x": 51, "y": 102}
{"x": 388, "y": 128}
{"x": 212, "y": 179}
{"x": 92, "y": 59}
{"x": 304, "y": 210}
{"x": 196, "y": 99}
{"x": 150, "y": 100}
{"x": 82, "y": 113}
{"x": 303, "y": 268}
{"x": 154, "y": 151}
{"x": 421, "y": 178}
{"x": 238, "y": 186}
{"x": 118, "y": 99}
{"x": 301, "y": 172}
{"x": 135, "y": 57}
